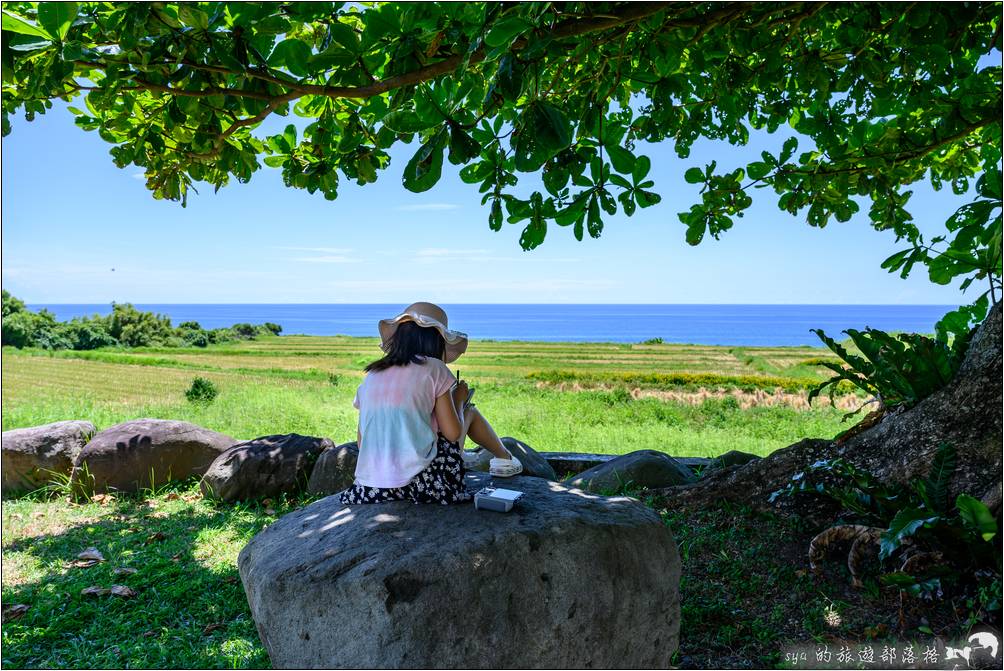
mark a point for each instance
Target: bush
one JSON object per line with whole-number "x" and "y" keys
{"x": 202, "y": 391}
{"x": 84, "y": 334}
{"x": 244, "y": 331}
{"x": 18, "y": 328}
{"x": 270, "y": 328}
{"x": 138, "y": 329}
{"x": 125, "y": 326}
{"x": 195, "y": 338}
{"x": 11, "y": 304}
{"x": 652, "y": 341}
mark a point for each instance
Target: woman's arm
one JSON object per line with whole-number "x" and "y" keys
{"x": 450, "y": 412}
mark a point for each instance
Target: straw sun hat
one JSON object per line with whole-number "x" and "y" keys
{"x": 431, "y": 316}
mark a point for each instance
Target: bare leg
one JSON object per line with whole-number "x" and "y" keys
{"x": 482, "y": 433}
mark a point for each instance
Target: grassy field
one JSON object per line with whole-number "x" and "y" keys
{"x": 687, "y": 400}
{"x": 745, "y": 592}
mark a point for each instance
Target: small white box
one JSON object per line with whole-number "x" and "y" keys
{"x": 499, "y": 500}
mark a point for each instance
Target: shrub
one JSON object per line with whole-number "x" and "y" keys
{"x": 194, "y": 326}
{"x": 201, "y": 391}
{"x": 898, "y": 370}
{"x": 270, "y": 328}
{"x": 84, "y": 334}
{"x": 244, "y": 331}
{"x": 134, "y": 328}
{"x": 195, "y": 338}
{"x": 652, "y": 341}
{"x": 11, "y": 304}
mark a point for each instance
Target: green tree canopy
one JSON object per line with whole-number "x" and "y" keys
{"x": 873, "y": 97}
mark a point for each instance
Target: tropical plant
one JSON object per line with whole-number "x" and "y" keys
{"x": 877, "y": 96}
{"x": 898, "y": 370}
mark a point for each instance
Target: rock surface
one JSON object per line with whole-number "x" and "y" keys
{"x": 263, "y": 467}
{"x": 33, "y": 456}
{"x": 643, "y": 468}
{"x": 335, "y": 469}
{"x": 127, "y": 456}
{"x": 534, "y": 464}
{"x": 565, "y": 580}
{"x": 966, "y": 414}
{"x": 730, "y": 458}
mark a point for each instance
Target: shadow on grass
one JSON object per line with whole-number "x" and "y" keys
{"x": 189, "y": 611}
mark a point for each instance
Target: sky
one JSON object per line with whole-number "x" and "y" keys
{"x": 76, "y": 229}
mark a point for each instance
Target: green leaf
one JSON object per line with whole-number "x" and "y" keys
{"x": 193, "y": 16}
{"x": 476, "y": 172}
{"x": 554, "y": 132}
{"x": 463, "y": 147}
{"x": 16, "y": 24}
{"x": 594, "y": 221}
{"x": 72, "y": 50}
{"x": 622, "y": 160}
{"x": 976, "y": 516}
{"x": 505, "y": 30}
{"x": 641, "y": 167}
{"x": 276, "y": 161}
{"x": 292, "y": 54}
{"x": 57, "y": 17}
{"x": 345, "y": 36}
{"x": 905, "y": 524}
{"x": 407, "y": 121}
{"x": 694, "y": 176}
{"x": 495, "y": 216}
{"x": 426, "y": 166}
{"x": 757, "y": 170}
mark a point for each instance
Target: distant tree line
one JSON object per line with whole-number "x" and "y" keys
{"x": 124, "y": 327}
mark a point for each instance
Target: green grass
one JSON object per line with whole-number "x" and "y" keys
{"x": 687, "y": 400}
{"x": 184, "y": 583}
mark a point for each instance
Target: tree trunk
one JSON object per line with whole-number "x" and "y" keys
{"x": 966, "y": 414}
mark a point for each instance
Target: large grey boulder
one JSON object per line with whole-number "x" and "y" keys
{"x": 146, "y": 453}
{"x": 263, "y": 467}
{"x": 643, "y": 468}
{"x": 565, "y": 580}
{"x": 36, "y": 455}
{"x": 534, "y": 463}
{"x": 335, "y": 469}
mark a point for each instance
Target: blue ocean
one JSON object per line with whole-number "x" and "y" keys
{"x": 762, "y": 325}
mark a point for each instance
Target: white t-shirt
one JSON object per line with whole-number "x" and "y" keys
{"x": 397, "y": 421}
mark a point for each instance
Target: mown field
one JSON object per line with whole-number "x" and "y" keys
{"x": 686, "y": 400}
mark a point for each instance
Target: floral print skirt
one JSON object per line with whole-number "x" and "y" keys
{"x": 442, "y": 481}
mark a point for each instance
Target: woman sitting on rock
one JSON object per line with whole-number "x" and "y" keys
{"x": 414, "y": 416}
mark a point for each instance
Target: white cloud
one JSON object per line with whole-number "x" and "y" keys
{"x": 440, "y": 252}
{"x": 427, "y": 207}
{"x": 328, "y": 258}
{"x": 319, "y": 250}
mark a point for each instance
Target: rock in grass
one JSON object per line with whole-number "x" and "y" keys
{"x": 643, "y": 468}
{"x": 263, "y": 467}
{"x": 146, "y": 453}
{"x": 335, "y": 469}
{"x": 730, "y": 458}
{"x": 36, "y": 455}
{"x": 565, "y": 580}
{"x": 534, "y": 464}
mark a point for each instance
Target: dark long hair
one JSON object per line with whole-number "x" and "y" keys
{"x": 408, "y": 343}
